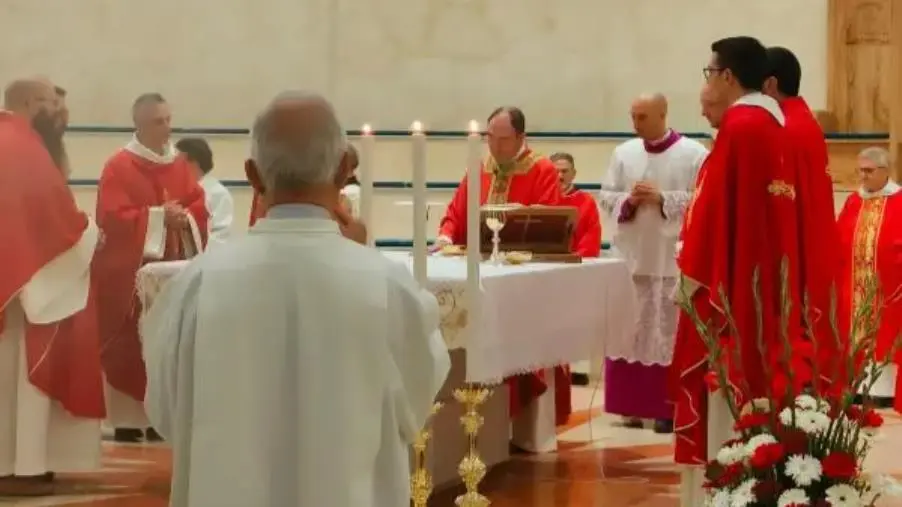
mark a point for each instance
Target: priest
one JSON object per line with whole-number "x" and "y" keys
{"x": 741, "y": 225}
{"x": 870, "y": 226}
{"x": 819, "y": 251}
{"x": 249, "y": 419}
{"x": 646, "y": 189}
{"x": 512, "y": 174}
{"x": 150, "y": 208}
{"x": 587, "y": 233}
{"x": 51, "y": 391}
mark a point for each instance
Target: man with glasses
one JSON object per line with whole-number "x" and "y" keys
{"x": 870, "y": 228}
{"x": 738, "y": 229}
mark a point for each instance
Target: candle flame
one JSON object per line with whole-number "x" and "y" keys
{"x": 416, "y": 127}
{"x": 473, "y": 127}
{"x": 366, "y": 129}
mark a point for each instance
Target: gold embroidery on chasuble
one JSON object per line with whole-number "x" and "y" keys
{"x": 864, "y": 254}
{"x": 780, "y": 188}
{"x": 502, "y": 174}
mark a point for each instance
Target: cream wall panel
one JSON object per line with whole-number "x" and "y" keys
{"x": 572, "y": 65}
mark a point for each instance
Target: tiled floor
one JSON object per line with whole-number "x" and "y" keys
{"x": 599, "y": 464}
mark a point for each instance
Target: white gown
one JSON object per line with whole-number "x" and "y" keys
{"x": 221, "y": 207}
{"x": 648, "y": 242}
{"x": 242, "y": 350}
{"x": 36, "y": 434}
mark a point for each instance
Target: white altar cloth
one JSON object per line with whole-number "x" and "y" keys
{"x": 534, "y": 315}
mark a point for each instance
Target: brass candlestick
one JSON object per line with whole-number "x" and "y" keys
{"x": 421, "y": 479}
{"x": 471, "y": 468}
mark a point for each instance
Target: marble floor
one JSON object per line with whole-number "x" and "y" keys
{"x": 599, "y": 463}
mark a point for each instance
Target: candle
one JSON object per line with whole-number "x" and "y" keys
{"x": 418, "y": 142}
{"x": 474, "y": 256}
{"x": 365, "y": 176}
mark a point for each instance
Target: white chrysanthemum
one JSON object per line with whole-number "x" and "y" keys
{"x": 843, "y": 495}
{"x": 757, "y": 441}
{"x": 793, "y": 497}
{"x": 804, "y": 470}
{"x": 731, "y": 454}
{"x": 786, "y": 416}
{"x": 719, "y": 498}
{"x": 744, "y": 494}
{"x": 812, "y": 422}
{"x": 807, "y": 402}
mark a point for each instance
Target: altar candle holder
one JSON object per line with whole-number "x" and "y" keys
{"x": 418, "y": 142}
{"x": 472, "y": 469}
{"x": 421, "y": 480}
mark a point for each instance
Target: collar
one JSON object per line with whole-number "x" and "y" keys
{"x": 663, "y": 144}
{"x": 889, "y": 189}
{"x": 758, "y": 99}
{"x": 283, "y": 211}
{"x": 169, "y": 154}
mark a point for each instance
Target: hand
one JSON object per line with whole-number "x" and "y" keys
{"x": 647, "y": 192}
{"x": 439, "y": 243}
{"x": 174, "y": 214}
{"x": 350, "y": 227}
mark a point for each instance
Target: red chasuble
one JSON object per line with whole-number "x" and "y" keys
{"x": 38, "y": 222}
{"x": 871, "y": 234}
{"x": 819, "y": 249}
{"x": 587, "y": 234}
{"x": 742, "y": 218}
{"x": 129, "y": 186}
{"x": 532, "y": 179}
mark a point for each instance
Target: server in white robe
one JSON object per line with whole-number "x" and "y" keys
{"x": 219, "y": 200}
{"x": 242, "y": 347}
{"x": 646, "y": 190}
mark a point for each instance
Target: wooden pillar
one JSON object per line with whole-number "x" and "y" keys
{"x": 895, "y": 124}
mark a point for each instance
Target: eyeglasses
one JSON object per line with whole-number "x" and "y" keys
{"x": 710, "y": 71}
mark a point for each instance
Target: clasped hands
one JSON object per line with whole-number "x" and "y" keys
{"x": 174, "y": 215}
{"x": 645, "y": 192}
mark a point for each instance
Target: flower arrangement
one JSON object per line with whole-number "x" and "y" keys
{"x": 805, "y": 446}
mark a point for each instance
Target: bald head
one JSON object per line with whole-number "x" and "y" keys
{"x": 713, "y": 106}
{"x": 649, "y": 114}
{"x": 30, "y": 96}
{"x": 298, "y": 144}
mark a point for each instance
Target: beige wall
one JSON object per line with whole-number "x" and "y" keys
{"x": 445, "y": 157}
{"x": 572, "y": 65}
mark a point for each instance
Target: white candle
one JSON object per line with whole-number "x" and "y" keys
{"x": 474, "y": 256}
{"x": 365, "y": 176}
{"x": 418, "y": 142}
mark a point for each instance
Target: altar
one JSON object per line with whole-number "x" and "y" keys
{"x": 533, "y": 316}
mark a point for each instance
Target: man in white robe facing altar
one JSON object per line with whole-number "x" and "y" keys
{"x": 51, "y": 391}
{"x": 239, "y": 346}
{"x": 646, "y": 189}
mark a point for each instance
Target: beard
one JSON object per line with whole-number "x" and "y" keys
{"x": 47, "y": 127}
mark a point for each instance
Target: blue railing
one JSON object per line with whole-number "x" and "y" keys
{"x": 407, "y": 243}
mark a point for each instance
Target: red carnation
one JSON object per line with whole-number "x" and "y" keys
{"x": 767, "y": 455}
{"x": 795, "y": 441}
{"x": 712, "y": 382}
{"x": 720, "y": 476}
{"x": 840, "y": 465}
{"x": 766, "y": 490}
{"x": 751, "y": 420}
{"x": 854, "y": 412}
{"x": 871, "y": 419}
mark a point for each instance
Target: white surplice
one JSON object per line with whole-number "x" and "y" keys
{"x": 292, "y": 367}
{"x": 221, "y": 207}
{"x": 37, "y": 435}
{"x": 648, "y": 241}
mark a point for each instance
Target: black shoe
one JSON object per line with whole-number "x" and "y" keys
{"x": 151, "y": 435}
{"x": 579, "y": 379}
{"x": 128, "y": 435}
{"x": 664, "y": 426}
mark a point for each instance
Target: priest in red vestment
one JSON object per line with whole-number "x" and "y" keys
{"x": 150, "y": 208}
{"x": 819, "y": 241}
{"x": 870, "y": 227}
{"x": 742, "y": 219}
{"x": 512, "y": 173}
{"x": 587, "y": 234}
{"x": 51, "y": 383}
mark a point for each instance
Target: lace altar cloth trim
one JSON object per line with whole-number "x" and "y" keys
{"x": 533, "y": 316}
